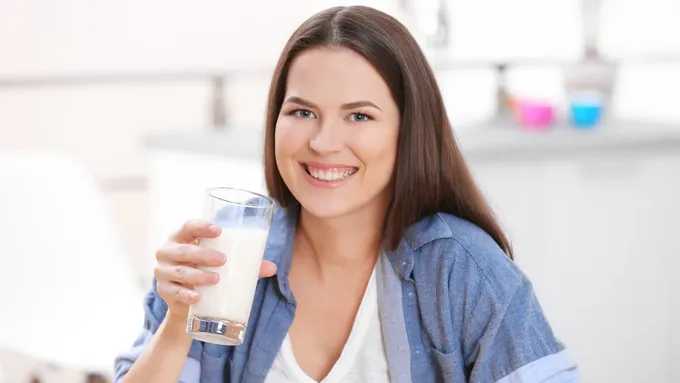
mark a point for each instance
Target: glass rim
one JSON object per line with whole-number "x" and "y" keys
{"x": 211, "y": 192}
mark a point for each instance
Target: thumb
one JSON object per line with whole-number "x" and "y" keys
{"x": 267, "y": 269}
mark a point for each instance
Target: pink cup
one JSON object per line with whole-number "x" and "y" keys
{"x": 535, "y": 115}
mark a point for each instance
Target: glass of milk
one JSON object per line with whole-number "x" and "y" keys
{"x": 221, "y": 315}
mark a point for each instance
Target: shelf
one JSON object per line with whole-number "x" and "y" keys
{"x": 507, "y": 141}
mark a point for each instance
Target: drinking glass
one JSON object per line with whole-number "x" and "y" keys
{"x": 221, "y": 315}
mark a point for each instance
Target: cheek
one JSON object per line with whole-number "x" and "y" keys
{"x": 288, "y": 139}
{"x": 378, "y": 152}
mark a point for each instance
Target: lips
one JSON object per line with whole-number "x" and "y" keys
{"x": 329, "y": 173}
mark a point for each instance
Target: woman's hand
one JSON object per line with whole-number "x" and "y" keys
{"x": 177, "y": 270}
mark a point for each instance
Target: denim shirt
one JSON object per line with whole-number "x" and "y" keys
{"x": 453, "y": 308}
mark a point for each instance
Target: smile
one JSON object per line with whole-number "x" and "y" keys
{"x": 330, "y": 174}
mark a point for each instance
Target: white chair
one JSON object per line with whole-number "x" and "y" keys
{"x": 69, "y": 296}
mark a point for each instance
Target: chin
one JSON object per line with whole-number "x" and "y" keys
{"x": 325, "y": 207}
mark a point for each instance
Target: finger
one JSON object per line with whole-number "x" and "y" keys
{"x": 177, "y": 293}
{"x": 177, "y": 253}
{"x": 267, "y": 269}
{"x": 196, "y": 228}
{"x": 185, "y": 275}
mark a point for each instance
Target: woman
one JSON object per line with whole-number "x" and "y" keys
{"x": 384, "y": 263}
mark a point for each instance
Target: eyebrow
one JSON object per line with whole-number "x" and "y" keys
{"x": 349, "y": 105}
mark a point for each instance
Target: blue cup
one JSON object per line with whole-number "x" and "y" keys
{"x": 585, "y": 115}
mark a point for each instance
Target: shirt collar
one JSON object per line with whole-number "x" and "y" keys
{"x": 417, "y": 235}
{"x": 281, "y": 238}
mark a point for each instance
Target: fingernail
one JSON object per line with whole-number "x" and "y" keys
{"x": 219, "y": 258}
{"x": 213, "y": 278}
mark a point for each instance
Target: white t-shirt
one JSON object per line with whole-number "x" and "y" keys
{"x": 363, "y": 356}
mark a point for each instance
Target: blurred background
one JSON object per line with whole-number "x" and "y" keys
{"x": 115, "y": 116}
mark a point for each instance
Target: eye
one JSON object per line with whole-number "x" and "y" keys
{"x": 303, "y": 113}
{"x": 359, "y": 117}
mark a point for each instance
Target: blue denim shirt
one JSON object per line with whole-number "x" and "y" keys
{"x": 453, "y": 308}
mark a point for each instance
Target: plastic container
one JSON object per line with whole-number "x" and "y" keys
{"x": 586, "y": 109}
{"x": 535, "y": 115}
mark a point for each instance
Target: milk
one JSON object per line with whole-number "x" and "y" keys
{"x": 232, "y": 297}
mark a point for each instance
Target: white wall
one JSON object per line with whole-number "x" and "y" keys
{"x": 80, "y": 36}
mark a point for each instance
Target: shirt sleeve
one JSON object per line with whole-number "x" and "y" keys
{"x": 506, "y": 337}
{"x": 154, "y": 313}
{"x": 518, "y": 346}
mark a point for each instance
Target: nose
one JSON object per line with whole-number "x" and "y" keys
{"x": 326, "y": 138}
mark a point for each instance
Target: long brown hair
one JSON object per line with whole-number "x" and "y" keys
{"x": 431, "y": 175}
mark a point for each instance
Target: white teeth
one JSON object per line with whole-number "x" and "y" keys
{"x": 330, "y": 174}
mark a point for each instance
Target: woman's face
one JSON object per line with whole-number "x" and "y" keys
{"x": 336, "y": 135}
